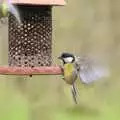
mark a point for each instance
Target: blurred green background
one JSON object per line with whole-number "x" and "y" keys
{"x": 83, "y": 27}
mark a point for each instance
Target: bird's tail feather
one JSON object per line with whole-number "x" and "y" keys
{"x": 74, "y": 93}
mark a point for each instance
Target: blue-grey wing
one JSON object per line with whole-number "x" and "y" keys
{"x": 89, "y": 70}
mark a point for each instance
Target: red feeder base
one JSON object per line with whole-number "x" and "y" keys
{"x": 53, "y": 70}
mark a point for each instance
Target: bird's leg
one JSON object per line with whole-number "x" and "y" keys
{"x": 74, "y": 92}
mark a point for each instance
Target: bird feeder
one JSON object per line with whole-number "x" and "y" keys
{"x": 30, "y": 43}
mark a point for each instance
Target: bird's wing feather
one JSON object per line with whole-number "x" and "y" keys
{"x": 14, "y": 11}
{"x": 89, "y": 70}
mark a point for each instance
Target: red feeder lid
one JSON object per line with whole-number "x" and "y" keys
{"x": 39, "y": 2}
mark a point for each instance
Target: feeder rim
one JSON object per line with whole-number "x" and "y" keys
{"x": 39, "y": 2}
{"x": 43, "y": 70}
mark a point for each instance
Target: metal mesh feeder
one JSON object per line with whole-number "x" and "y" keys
{"x": 30, "y": 42}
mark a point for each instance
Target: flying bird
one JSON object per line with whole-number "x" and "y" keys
{"x": 87, "y": 70}
{"x": 7, "y": 7}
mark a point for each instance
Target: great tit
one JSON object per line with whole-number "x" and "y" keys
{"x": 70, "y": 72}
{"x": 5, "y": 7}
{"x": 83, "y": 68}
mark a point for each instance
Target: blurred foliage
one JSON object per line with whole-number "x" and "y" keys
{"x": 83, "y": 27}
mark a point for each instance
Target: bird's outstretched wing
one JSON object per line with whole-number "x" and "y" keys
{"x": 89, "y": 70}
{"x": 12, "y": 9}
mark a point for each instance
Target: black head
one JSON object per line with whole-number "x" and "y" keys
{"x": 67, "y": 58}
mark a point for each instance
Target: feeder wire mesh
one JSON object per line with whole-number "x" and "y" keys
{"x": 30, "y": 42}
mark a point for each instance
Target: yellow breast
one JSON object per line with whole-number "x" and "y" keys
{"x": 69, "y": 75}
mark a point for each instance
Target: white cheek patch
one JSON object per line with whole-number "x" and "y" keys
{"x": 68, "y": 59}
